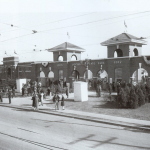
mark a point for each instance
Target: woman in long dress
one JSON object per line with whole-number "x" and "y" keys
{"x": 35, "y": 103}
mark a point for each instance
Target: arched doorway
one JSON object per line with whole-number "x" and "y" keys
{"x": 118, "y": 74}
{"x": 42, "y": 78}
{"x": 140, "y": 75}
{"x": 75, "y": 75}
{"x": 50, "y": 78}
{"x": 118, "y": 53}
{"x": 51, "y": 74}
{"x": 42, "y": 74}
{"x": 88, "y": 74}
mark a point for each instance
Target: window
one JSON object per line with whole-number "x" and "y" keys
{"x": 73, "y": 57}
{"x": 118, "y": 73}
{"x": 60, "y": 74}
{"x": 27, "y": 69}
{"x": 135, "y": 52}
{"x": 118, "y": 53}
{"x": 60, "y": 58}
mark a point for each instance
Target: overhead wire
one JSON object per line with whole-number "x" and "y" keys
{"x": 83, "y": 23}
{"x": 47, "y": 22}
{"x": 88, "y": 22}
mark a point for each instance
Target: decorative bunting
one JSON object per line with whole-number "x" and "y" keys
{"x": 45, "y": 64}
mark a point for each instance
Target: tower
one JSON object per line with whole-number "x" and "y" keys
{"x": 65, "y": 51}
{"x": 124, "y": 45}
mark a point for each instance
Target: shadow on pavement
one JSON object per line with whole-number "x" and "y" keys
{"x": 102, "y": 142}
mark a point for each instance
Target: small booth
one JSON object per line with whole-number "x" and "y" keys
{"x": 80, "y": 91}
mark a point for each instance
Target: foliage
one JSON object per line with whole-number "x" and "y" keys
{"x": 133, "y": 100}
{"x": 132, "y": 97}
{"x": 122, "y": 98}
{"x": 141, "y": 97}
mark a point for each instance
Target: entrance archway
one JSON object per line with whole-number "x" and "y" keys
{"x": 42, "y": 74}
{"x": 88, "y": 74}
{"x": 102, "y": 74}
{"x": 140, "y": 75}
{"x": 51, "y": 74}
{"x": 42, "y": 78}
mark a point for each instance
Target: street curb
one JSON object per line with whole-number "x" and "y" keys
{"x": 86, "y": 118}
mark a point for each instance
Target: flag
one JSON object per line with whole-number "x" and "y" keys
{"x": 34, "y": 31}
{"x": 15, "y": 52}
{"x": 125, "y": 24}
{"x": 68, "y": 35}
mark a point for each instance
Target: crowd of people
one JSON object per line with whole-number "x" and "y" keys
{"x": 54, "y": 92}
{"x": 38, "y": 93}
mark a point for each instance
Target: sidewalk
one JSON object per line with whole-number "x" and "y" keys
{"x": 26, "y": 104}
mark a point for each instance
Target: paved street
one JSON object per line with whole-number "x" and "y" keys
{"x": 27, "y": 129}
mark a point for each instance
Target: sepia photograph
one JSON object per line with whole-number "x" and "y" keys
{"x": 74, "y": 74}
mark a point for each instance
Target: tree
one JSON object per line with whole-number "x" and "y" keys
{"x": 133, "y": 102}
{"x": 141, "y": 98}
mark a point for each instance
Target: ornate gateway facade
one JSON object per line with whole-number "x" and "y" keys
{"x": 124, "y": 62}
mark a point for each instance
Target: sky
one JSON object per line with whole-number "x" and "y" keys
{"x": 87, "y": 22}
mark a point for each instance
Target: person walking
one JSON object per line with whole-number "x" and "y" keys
{"x": 9, "y": 95}
{"x": 67, "y": 91}
{"x": 42, "y": 95}
{"x": 23, "y": 90}
{"x": 48, "y": 91}
{"x": 13, "y": 91}
{"x": 109, "y": 88}
{"x": 36, "y": 102}
{"x": 99, "y": 90}
{"x": 62, "y": 102}
{"x": 56, "y": 101}
{"x": 1, "y": 96}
